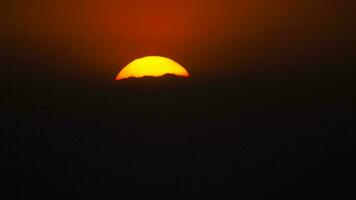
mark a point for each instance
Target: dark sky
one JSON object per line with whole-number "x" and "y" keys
{"x": 97, "y": 38}
{"x": 267, "y": 112}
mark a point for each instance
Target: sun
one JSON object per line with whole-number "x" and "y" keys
{"x": 154, "y": 66}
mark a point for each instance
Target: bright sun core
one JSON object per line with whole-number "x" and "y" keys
{"x": 154, "y": 66}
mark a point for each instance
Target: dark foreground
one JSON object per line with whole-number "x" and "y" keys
{"x": 287, "y": 136}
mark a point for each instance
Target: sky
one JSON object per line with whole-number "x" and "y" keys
{"x": 95, "y": 39}
{"x": 268, "y": 106}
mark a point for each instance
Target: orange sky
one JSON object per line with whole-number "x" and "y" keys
{"x": 202, "y": 35}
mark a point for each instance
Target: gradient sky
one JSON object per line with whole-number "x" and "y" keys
{"x": 97, "y": 38}
{"x": 268, "y": 108}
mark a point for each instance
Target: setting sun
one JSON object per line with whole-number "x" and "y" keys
{"x": 154, "y": 66}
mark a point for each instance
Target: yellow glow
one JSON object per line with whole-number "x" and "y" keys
{"x": 154, "y": 66}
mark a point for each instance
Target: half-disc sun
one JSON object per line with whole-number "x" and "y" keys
{"x": 154, "y": 66}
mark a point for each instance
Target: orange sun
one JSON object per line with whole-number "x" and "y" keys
{"x": 154, "y": 66}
